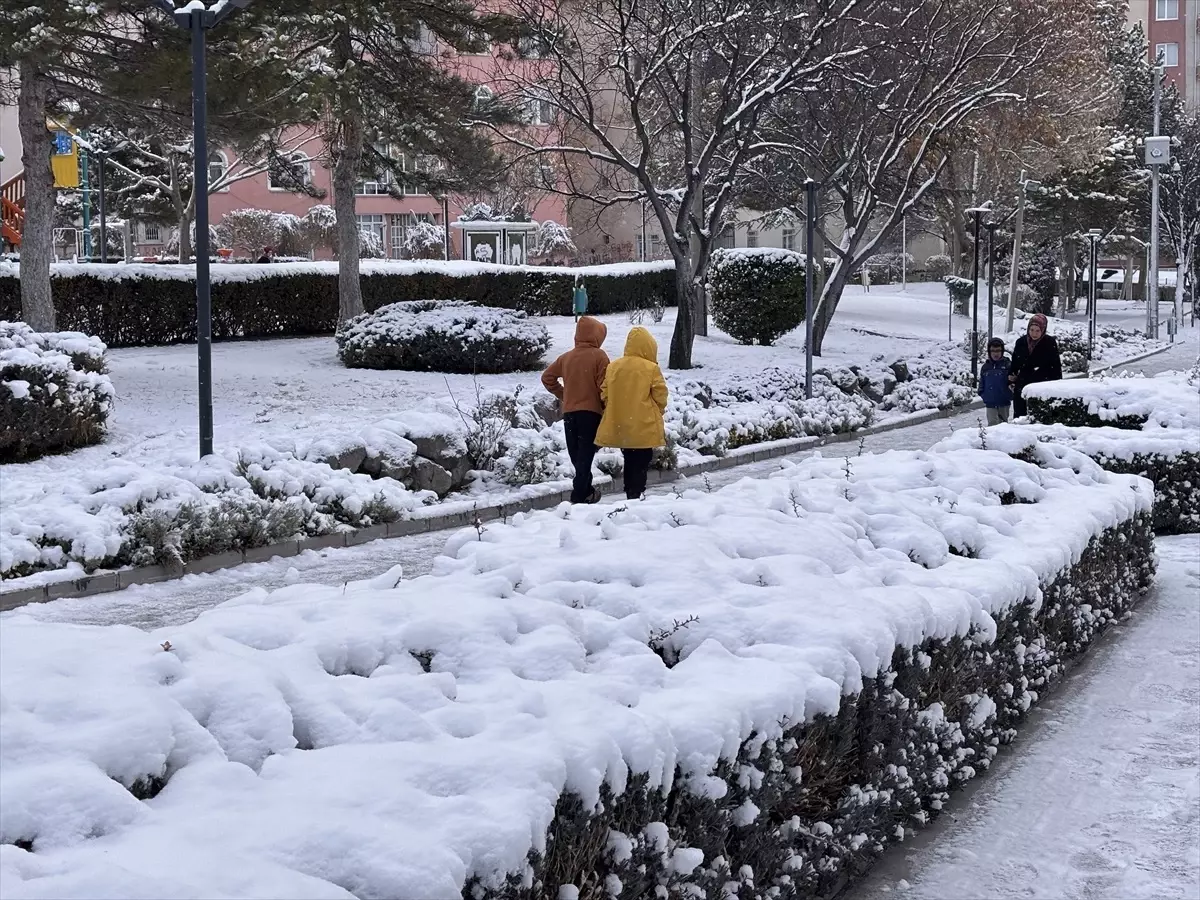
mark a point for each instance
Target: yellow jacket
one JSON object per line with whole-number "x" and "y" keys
{"x": 635, "y": 397}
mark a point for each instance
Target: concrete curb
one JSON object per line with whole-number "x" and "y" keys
{"x": 106, "y": 582}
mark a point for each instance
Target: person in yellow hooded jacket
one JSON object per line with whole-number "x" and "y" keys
{"x": 635, "y": 398}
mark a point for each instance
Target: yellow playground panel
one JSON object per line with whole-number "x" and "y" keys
{"x": 65, "y": 158}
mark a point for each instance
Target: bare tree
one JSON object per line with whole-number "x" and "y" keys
{"x": 884, "y": 137}
{"x": 659, "y": 101}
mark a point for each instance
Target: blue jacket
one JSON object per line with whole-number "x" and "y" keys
{"x": 993, "y": 383}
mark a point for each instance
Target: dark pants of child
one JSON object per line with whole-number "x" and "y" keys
{"x": 997, "y": 414}
{"x": 637, "y": 465}
{"x": 581, "y": 446}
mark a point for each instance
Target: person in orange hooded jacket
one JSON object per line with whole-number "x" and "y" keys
{"x": 635, "y": 398}
{"x": 576, "y": 378}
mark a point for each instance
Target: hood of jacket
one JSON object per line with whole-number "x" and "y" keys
{"x": 641, "y": 343}
{"x": 590, "y": 332}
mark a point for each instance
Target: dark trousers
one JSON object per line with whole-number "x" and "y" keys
{"x": 1019, "y": 406}
{"x": 581, "y": 446}
{"x": 637, "y": 464}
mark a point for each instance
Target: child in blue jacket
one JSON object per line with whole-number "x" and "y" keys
{"x": 993, "y": 383}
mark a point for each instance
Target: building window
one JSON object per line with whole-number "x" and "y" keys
{"x": 1166, "y": 10}
{"x": 484, "y": 97}
{"x": 641, "y": 247}
{"x": 425, "y": 41}
{"x": 1167, "y": 55}
{"x": 789, "y": 239}
{"x": 751, "y": 238}
{"x": 151, "y": 234}
{"x": 655, "y": 246}
{"x": 726, "y": 240}
{"x": 420, "y": 164}
{"x": 287, "y": 173}
{"x": 371, "y": 227}
{"x": 539, "y": 108}
{"x": 218, "y": 165}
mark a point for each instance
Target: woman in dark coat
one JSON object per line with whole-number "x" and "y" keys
{"x": 1035, "y": 358}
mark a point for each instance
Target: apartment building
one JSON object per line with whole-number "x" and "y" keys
{"x": 1172, "y": 30}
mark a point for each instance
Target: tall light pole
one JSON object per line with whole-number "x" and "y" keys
{"x": 810, "y": 237}
{"x": 978, "y": 212}
{"x": 991, "y": 230}
{"x": 1158, "y": 152}
{"x": 904, "y": 253}
{"x": 1093, "y": 237}
{"x": 197, "y": 18}
{"x": 1026, "y": 186}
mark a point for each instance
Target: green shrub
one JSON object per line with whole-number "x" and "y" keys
{"x": 443, "y": 336}
{"x": 149, "y": 305}
{"x": 757, "y": 295}
{"x": 961, "y": 291}
{"x": 54, "y": 393}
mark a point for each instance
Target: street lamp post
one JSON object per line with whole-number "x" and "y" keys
{"x": 1093, "y": 237}
{"x": 978, "y": 212}
{"x": 810, "y": 237}
{"x": 1158, "y": 153}
{"x": 197, "y": 19}
{"x": 1026, "y": 186}
{"x": 991, "y": 230}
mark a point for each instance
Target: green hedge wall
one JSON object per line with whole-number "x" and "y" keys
{"x": 137, "y": 309}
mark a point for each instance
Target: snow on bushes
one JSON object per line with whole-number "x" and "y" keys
{"x": 54, "y": 393}
{"x": 751, "y": 692}
{"x": 1168, "y": 457}
{"x": 1125, "y": 401}
{"x": 443, "y": 336}
{"x": 756, "y": 294}
{"x": 962, "y": 291}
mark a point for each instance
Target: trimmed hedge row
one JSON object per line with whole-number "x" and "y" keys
{"x": 1176, "y": 487}
{"x": 1075, "y": 414}
{"x": 837, "y": 791}
{"x": 149, "y": 311}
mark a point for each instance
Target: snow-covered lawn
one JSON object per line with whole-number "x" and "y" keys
{"x": 361, "y": 740}
{"x": 287, "y": 409}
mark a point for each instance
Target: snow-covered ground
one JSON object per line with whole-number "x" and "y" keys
{"x": 1099, "y": 798}
{"x": 176, "y": 602}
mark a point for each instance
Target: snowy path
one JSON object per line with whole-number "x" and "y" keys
{"x": 1100, "y": 799}
{"x": 175, "y": 602}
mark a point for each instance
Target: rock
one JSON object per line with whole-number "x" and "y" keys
{"x": 889, "y": 383}
{"x": 871, "y": 389}
{"x": 900, "y": 370}
{"x": 399, "y": 469}
{"x": 351, "y": 458}
{"x": 429, "y": 476}
{"x": 370, "y": 466}
{"x": 459, "y": 472}
{"x": 548, "y": 408}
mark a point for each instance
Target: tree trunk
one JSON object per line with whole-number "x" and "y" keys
{"x": 37, "y": 235}
{"x": 1142, "y": 276}
{"x": 685, "y": 299}
{"x": 185, "y": 237}
{"x": 1127, "y": 285}
{"x": 346, "y": 167}
{"x": 1068, "y": 267}
{"x": 828, "y": 304}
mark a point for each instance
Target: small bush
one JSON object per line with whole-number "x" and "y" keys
{"x": 961, "y": 291}
{"x": 938, "y": 265}
{"x": 54, "y": 393}
{"x": 757, "y": 295}
{"x": 443, "y": 336}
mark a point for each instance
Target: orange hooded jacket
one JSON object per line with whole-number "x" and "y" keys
{"x": 577, "y": 376}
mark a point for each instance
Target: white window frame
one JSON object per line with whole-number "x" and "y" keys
{"x": 789, "y": 239}
{"x": 151, "y": 233}
{"x": 425, "y": 43}
{"x": 1161, "y": 52}
{"x": 483, "y": 94}
{"x": 751, "y": 238}
{"x": 539, "y": 107}
{"x": 296, "y": 156}
{"x": 726, "y": 239}
{"x": 218, "y": 158}
{"x": 418, "y": 164}
{"x": 1166, "y": 10}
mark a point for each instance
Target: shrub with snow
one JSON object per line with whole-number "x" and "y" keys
{"x": 424, "y": 240}
{"x": 554, "y": 241}
{"x": 443, "y": 336}
{"x": 938, "y": 265}
{"x": 773, "y": 682}
{"x": 54, "y": 393}
{"x": 756, "y": 294}
{"x": 1170, "y": 457}
{"x": 370, "y": 245}
{"x": 1134, "y": 402}
{"x": 962, "y": 290}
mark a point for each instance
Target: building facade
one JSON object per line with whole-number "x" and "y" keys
{"x": 1172, "y": 30}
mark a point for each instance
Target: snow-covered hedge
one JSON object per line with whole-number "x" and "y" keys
{"x": 749, "y": 693}
{"x": 146, "y": 305}
{"x": 1125, "y": 401}
{"x": 54, "y": 393}
{"x": 443, "y": 336}
{"x": 1169, "y": 457}
{"x": 756, "y": 294}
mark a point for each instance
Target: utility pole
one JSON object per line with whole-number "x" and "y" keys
{"x": 1151, "y": 160}
{"x": 810, "y": 279}
{"x": 978, "y": 212}
{"x": 904, "y": 254}
{"x": 991, "y": 230}
{"x": 1093, "y": 237}
{"x": 1025, "y": 186}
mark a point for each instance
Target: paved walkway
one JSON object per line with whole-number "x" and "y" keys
{"x": 175, "y": 602}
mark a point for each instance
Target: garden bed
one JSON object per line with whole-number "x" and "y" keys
{"x": 632, "y": 702}
{"x": 1169, "y": 400}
